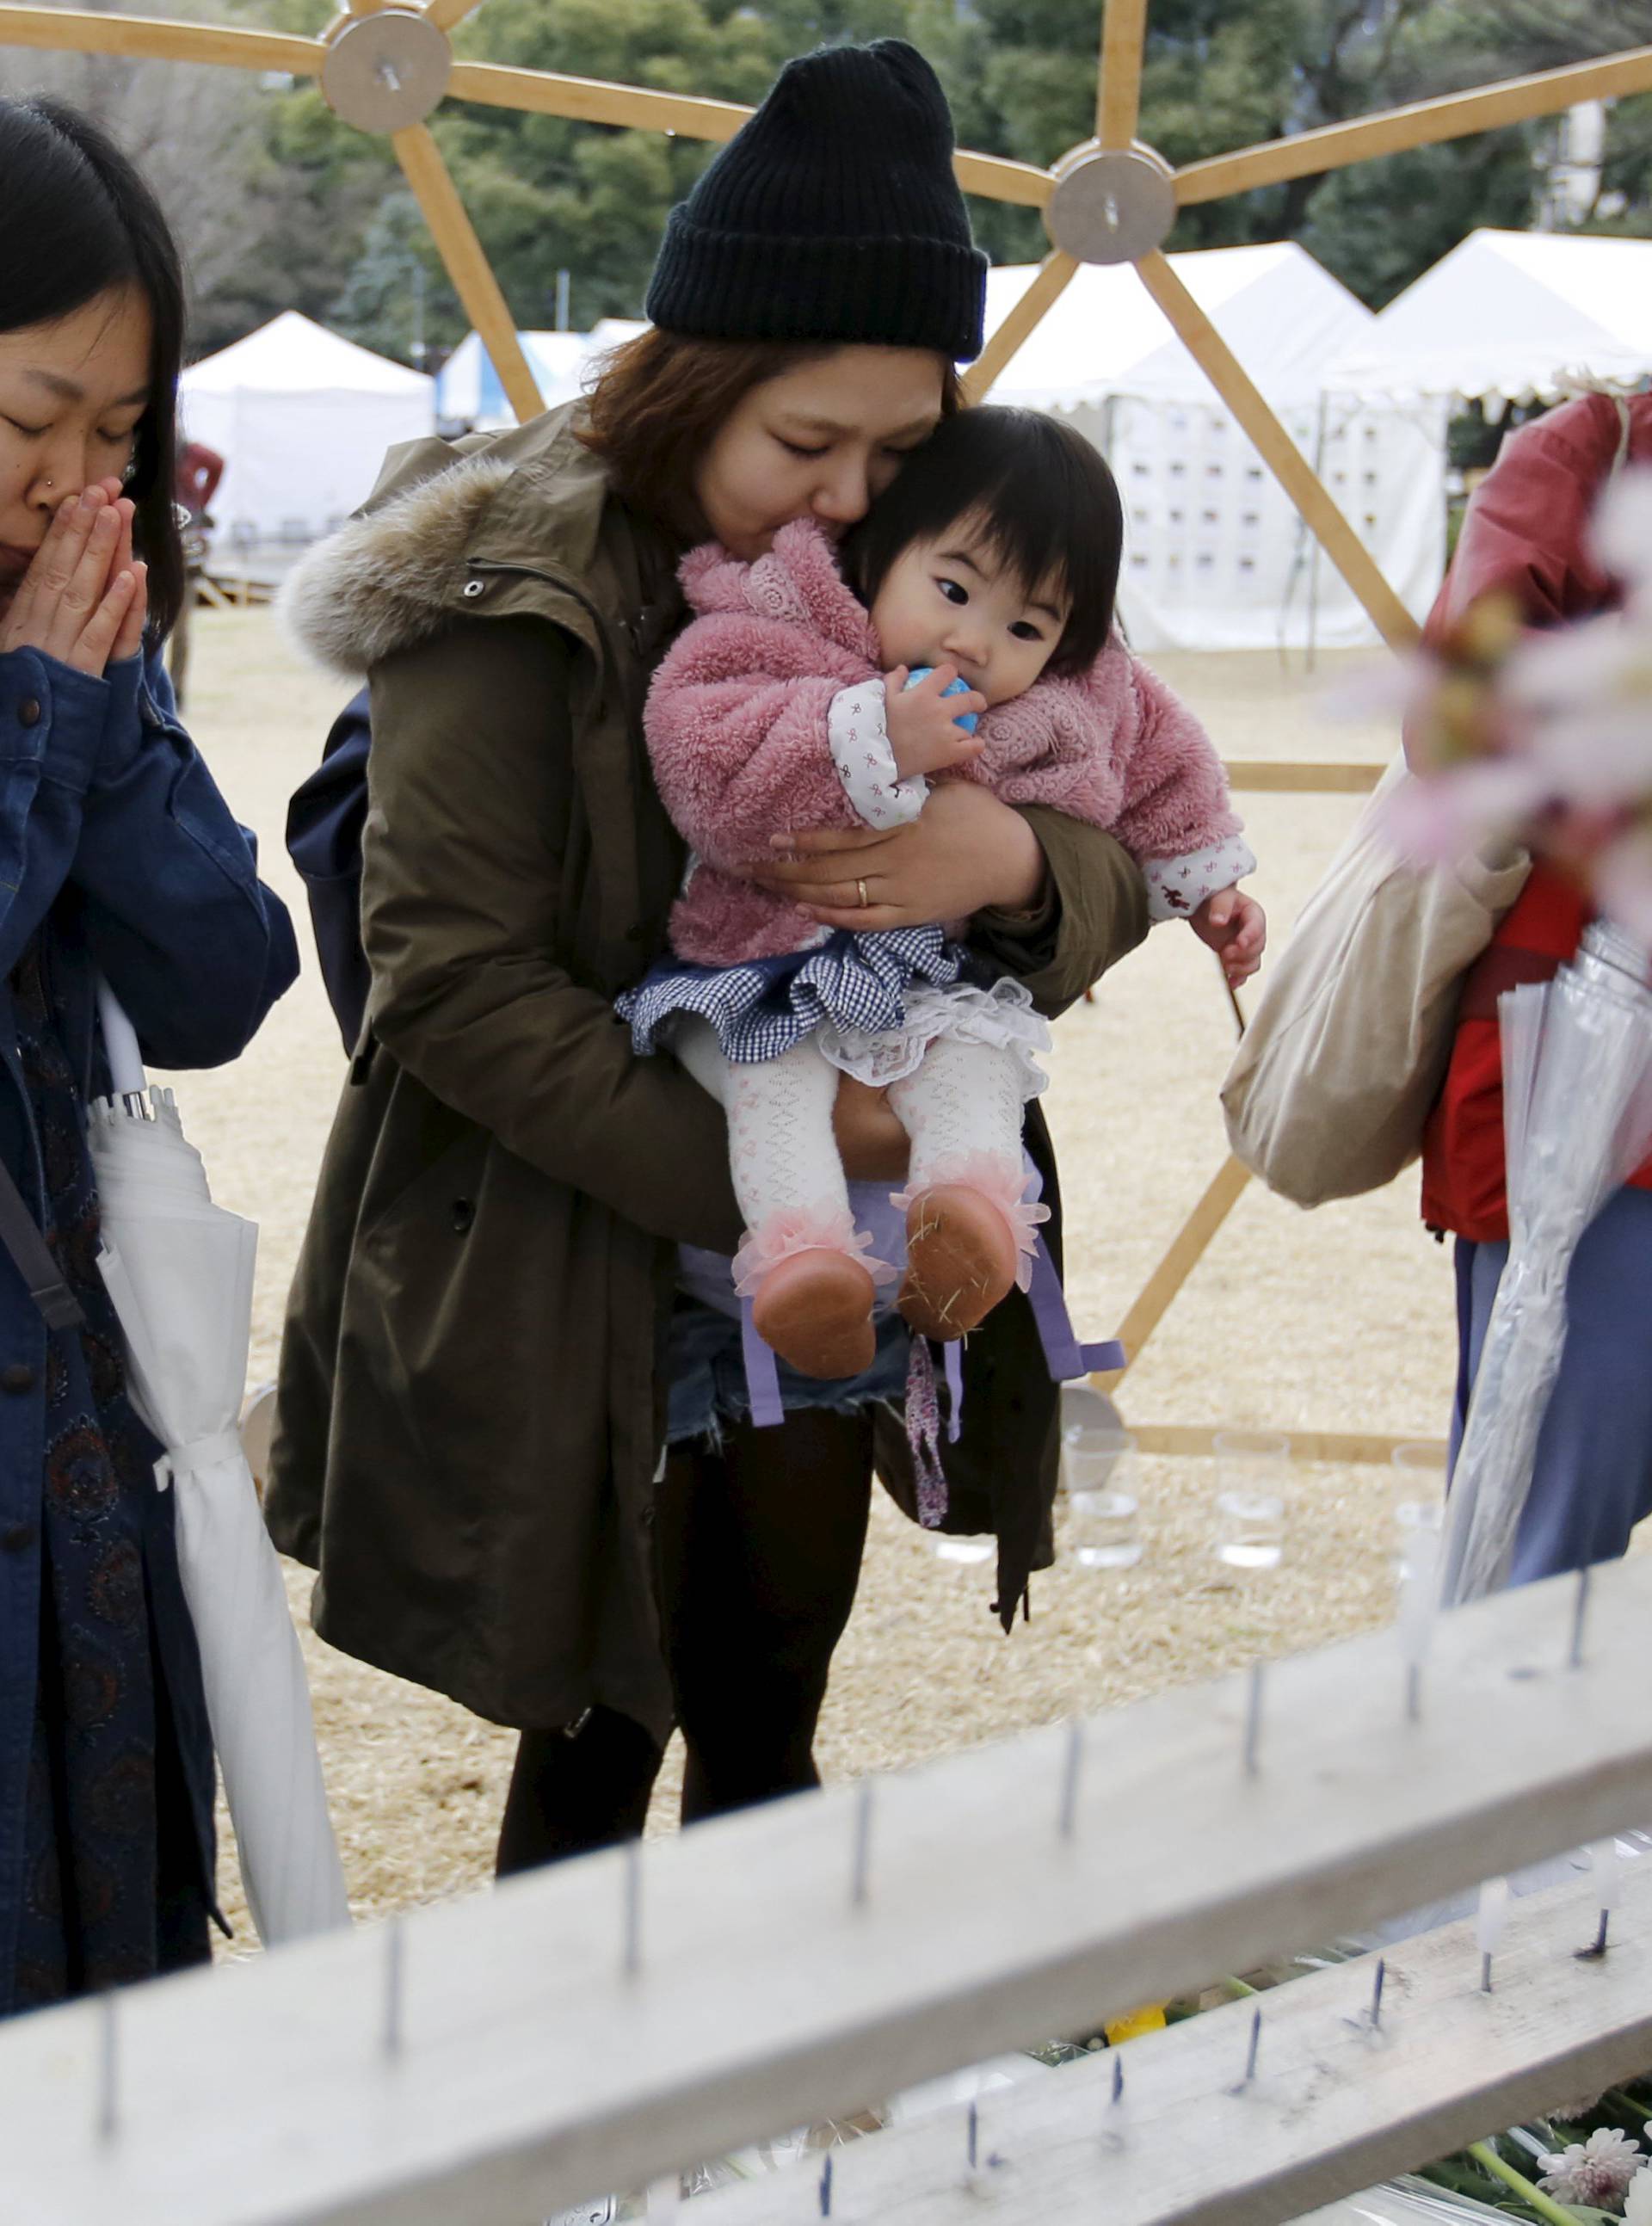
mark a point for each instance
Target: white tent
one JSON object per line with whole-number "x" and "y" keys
{"x": 302, "y": 419}
{"x": 1215, "y": 556}
{"x": 1515, "y": 316}
{"x": 469, "y": 391}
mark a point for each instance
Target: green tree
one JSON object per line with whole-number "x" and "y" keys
{"x": 1517, "y": 36}
{"x": 546, "y": 195}
{"x": 397, "y": 299}
{"x": 282, "y": 205}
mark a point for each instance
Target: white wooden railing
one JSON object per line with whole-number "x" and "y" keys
{"x": 600, "y": 2023}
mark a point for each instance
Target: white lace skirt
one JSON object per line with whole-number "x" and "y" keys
{"x": 1001, "y": 1016}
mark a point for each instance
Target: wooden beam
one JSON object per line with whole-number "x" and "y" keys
{"x": 1335, "y": 2107}
{"x": 592, "y": 100}
{"x": 535, "y": 2062}
{"x": 467, "y": 265}
{"x": 995, "y": 178}
{"x": 1275, "y": 777}
{"x": 1118, "y": 97}
{"x": 1278, "y": 452}
{"x": 446, "y": 14}
{"x": 1187, "y": 1248}
{"x": 1049, "y": 283}
{"x": 1423, "y": 124}
{"x": 155, "y": 38}
{"x": 1335, "y": 1448}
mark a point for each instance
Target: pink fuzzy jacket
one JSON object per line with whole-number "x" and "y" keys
{"x": 737, "y": 725}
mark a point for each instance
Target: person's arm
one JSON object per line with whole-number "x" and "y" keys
{"x": 1092, "y": 910}
{"x": 1050, "y": 901}
{"x": 1526, "y": 530}
{"x": 194, "y": 944}
{"x": 105, "y": 798}
{"x": 463, "y": 872}
{"x": 1178, "y": 816}
{"x": 750, "y": 730}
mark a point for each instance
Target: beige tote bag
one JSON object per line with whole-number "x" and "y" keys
{"x": 1345, "y": 1056}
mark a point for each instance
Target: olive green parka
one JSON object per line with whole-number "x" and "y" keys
{"x": 471, "y": 1403}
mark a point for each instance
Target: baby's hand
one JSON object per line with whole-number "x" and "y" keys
{"x": 1236, "y": 927}
{"x": 922, "y": 728}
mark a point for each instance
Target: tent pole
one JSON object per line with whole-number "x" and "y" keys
{"x": 1313, "y": 540}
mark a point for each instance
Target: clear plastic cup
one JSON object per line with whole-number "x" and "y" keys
{"x": 963, "y": 1552}
{"x": 1104, "y": 1501}
{"x": 1418, "y": 1485}
{"x": 1251, "y": 1470}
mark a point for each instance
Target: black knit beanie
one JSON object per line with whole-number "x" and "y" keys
{"x": 832, "y": 214}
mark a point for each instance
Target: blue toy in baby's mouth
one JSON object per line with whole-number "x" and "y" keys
{"x": 965, "y": 719}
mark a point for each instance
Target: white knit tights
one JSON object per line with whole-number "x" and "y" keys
{"x": 781, "y": 1152}
{"x": 964, "y": 1101}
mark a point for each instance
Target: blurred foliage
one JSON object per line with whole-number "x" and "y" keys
{"x": 282, "y": 206}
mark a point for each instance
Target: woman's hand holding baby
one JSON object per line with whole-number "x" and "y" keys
{"x": 1236, "y": 927}
{"x": 923, "y": 729}
{"x": 963, "y": 853}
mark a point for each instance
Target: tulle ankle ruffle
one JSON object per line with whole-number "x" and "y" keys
{"x": 1003, "y": 1183}
{"x": 796, "y": 1228}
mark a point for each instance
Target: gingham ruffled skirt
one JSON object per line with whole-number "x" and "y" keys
{"x": 764, "y": 1005}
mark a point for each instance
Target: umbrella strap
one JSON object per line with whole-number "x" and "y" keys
{"x": 33, "y": 1261}
{"x": 200, "y": 1454}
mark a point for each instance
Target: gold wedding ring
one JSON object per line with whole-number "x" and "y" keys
{"x": 864, "y": 899}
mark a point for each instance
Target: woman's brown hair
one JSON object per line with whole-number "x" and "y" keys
{"x": 660, "y": 398}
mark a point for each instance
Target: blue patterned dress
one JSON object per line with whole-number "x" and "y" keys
{"x": 116, "y": 1886}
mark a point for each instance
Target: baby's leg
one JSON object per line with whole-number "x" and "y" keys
{"x": 781, "y": 1152}
{"x": 967, "y": 1226}
{"x": 799, "y": 1264}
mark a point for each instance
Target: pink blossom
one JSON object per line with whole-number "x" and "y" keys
{"x": 1622, "y": 875}
{"x": 1623, "y": 528}
{"x": 1437, "y": 818}
{"x": 1598, "y": 2172}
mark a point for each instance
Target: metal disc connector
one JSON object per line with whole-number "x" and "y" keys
{"x": 1111, "y": 204}
{"x": 386, "y": 71}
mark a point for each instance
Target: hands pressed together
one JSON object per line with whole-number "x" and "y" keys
{"x": 85, "y": 598}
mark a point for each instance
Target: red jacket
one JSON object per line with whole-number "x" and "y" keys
{"x": 1526, "y": 532}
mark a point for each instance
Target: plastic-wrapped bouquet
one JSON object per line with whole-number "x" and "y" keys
{"x": 1545, "y": 739}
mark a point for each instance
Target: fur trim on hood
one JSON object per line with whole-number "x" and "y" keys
{"x": 798, "y": 581}
{"x": 392, "y": 577}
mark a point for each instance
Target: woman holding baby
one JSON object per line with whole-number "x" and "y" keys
{"x": 516, "y": 1431}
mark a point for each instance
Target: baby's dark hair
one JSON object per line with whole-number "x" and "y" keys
{"x": 1039, "y": 494}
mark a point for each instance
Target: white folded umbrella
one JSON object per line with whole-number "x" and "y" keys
{"x": 179, "y": 1270}
{"x": 1578, "y": 1122}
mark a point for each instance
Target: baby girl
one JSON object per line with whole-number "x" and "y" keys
{"x": 810, "y": 692}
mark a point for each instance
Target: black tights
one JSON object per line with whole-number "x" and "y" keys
{"x": 758, "y": 1553}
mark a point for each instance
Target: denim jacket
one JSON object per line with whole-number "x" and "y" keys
{"x": 117, "y": 848}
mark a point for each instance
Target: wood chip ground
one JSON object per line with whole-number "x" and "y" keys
{"x": 1337, "y": 1321}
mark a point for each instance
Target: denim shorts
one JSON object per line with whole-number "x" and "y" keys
{"x": 707, "y": 1364}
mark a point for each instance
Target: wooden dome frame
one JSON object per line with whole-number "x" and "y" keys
{"x": 1123, "y": 38}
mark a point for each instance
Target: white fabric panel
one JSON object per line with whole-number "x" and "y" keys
{"x": 295, "y": 465}
{"x": 1215, "y": 555}
{"x": 302, "y": 420}
{"x": 1218, "y": 557}
{"x": 1282, "y": 314}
